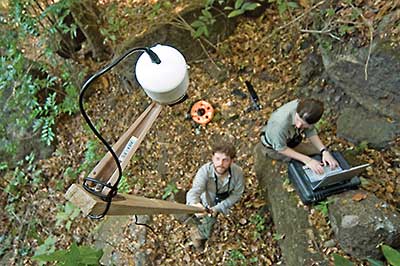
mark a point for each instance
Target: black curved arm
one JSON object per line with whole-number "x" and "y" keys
{"x": 113, "y": 189}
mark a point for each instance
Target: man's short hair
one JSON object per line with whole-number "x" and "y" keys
{"x": 225, "y": 148}
{"x": 310, "y": 110}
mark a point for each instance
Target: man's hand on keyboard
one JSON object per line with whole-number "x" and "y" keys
{"x": 316, "y": 166}
{"x": 327, "y": 159}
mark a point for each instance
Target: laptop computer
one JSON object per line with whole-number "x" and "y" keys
{"x": 334, "y": 176}
{"x": 319, "y": 187}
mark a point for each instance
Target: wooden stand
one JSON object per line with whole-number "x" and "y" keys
{"x": 106, "y": 171}
{"x": 125, "y": 204}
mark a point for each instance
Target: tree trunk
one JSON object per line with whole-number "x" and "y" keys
{"x": 85, "y": 15}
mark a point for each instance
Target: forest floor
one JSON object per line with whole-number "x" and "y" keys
{"x": 176, "y": 147}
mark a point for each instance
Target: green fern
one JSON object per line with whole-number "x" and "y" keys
{"x": 75, "y": 255}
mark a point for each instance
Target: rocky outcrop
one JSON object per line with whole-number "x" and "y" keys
{"x": 361, "y": 225}
{"x": 290, "y": 220}
{"x": 112, "y": 230}
{"x": 378, "y": 90}
{"x": 364, "y": 79}
{"x": 357, "y": 124}
{"x": 360, "y": 221}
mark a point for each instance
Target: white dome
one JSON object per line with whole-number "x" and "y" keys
{"x": 165, "y": 82}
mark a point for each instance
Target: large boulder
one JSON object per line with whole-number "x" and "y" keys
{"x": 378, "y": 90}
{"x": 356, "y": 125}
{"x": 361, "y": 225}
{"x": 375, "y": 88}
{"x": 354, "y": 76}
{"x": 290, "y": 221}
{"x": 114, "y": 229}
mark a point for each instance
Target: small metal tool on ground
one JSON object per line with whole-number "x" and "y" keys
{"x": 253, "y": 96}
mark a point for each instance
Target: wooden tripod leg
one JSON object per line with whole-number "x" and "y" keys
{"x": 106, "y": 171}
{"x": 125, "y": 204}
{"x": 125, "y": 147}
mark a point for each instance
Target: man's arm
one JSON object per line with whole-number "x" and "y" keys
{"x": 307, "y": 160}
{"x": 198, "y": 187}
{"x": 327, "y": 157}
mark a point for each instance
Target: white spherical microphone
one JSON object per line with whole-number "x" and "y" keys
{"x": 167, "y": 82}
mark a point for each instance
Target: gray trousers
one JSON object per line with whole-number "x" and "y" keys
{"x": 202, "y": 227}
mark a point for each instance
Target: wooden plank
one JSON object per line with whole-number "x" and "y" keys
{"x": 123, "y": 204}
{"x": 126, "y": 146}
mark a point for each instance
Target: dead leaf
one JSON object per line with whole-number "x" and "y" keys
{"x": 304, "y": 3}
{"x": 359, "y": 196}
{"x": 389, "y": 189}
{"x": 258, "y": 203}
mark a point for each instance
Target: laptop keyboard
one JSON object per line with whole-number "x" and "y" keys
{"x": 314, "y": 177}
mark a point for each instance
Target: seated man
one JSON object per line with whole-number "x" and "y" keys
{"x": 216, "y": 187}
{"x": 283, "y": 134}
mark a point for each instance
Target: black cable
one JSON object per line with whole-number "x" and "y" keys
{"x": 146, "y": 225}
{"x": 113, "y": 189}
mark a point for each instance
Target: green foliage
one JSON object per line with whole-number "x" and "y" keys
{"x": 5, "y": 243}
{"x": 202, "y": 23}
{"x": 69, "y": 105}
{"x": 340, "y": 261}
{"x": 277, "y": 236}
{"x": 373, "y": 262}
{"x": 74, "y": 256}
{"x": 20, "y": 16}
{"x": 169, "y": 190}
{"x": 67, "y": 215}
{"x": 361, "y": 147}
{"x": 236, "y": 258}
{"x": 329, "y": 12}
{"x": 45, "y": 121}
{"x": 3, "y": 166}
{"x": 284, "y": 5}
{"x": 123, "y": 186}
{"x": 47, "y": 247}
{"x": 205, "y": 21}
{"x": 346, "y": 29}
{"x": 326, "y": 44}
{"x": 115, "y": 23}
{"x": 322, "y": 206}
{"x": 322, "y": 124}
{"x": 240, "y": 7}
{"x": 26, "y": 173}
{"x": 391, "y": 255}
{"x": 159, "y": 6}
{"x": 30, "y": 89}
{"x": 254, "y": 260}
{"x": 259, "y": 222}
{"x": 92, "y": 155}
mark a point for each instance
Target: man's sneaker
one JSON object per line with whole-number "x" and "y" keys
{"x": 199, "y": 244}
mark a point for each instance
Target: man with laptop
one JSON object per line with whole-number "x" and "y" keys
{"x": 315, "y": 172}
{"x": 283, "y": 134}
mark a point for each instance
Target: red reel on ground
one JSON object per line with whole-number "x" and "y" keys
{"x": 202, "y": 112}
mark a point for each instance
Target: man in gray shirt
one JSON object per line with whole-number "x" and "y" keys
{"x": 282, "y": 135}
{"x": 217, "y": 186}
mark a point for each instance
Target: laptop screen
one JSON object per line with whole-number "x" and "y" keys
{"x": 340, "y": 176}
